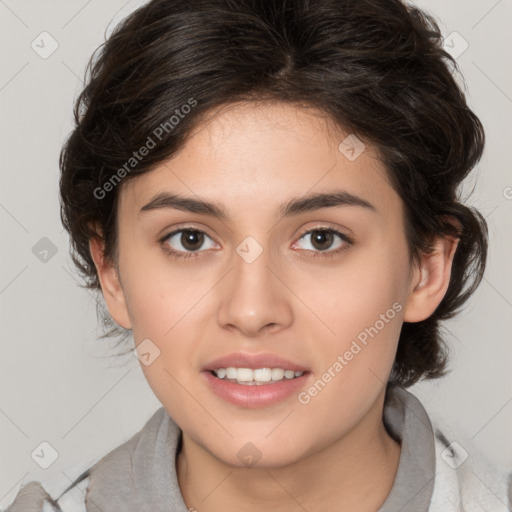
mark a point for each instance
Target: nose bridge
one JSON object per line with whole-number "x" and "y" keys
{"x": 252, "y": 296}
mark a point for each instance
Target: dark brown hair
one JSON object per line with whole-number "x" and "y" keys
{"x": 375, "y": 67}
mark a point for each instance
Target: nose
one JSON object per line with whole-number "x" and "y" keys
{"x": 254, "y": 297}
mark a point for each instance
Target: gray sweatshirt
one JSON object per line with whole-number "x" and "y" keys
{"x": 434, "y": 474}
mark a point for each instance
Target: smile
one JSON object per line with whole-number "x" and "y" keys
{"x": 257, "y": 376}
{"x": 253, "y": 393}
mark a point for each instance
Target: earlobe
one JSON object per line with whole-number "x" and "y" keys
{"x": 110, "y": 284}
{"x": 430, "y": 280}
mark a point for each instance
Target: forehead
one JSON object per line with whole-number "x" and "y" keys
{"x": 254, "y": 156}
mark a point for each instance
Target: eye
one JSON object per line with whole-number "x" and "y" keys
{"x": 189, "y": 239}
{"x": 322, "y": 239}
{"x": 187, "y": 242}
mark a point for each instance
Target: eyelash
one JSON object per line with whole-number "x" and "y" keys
{"x": 348, "y": 241}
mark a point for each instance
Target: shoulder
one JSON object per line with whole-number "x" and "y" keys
{"x": 34, "y": 497}
{"x": 60, "y": 492}
{"x": 67, "y": 489}
{"x": 466, "y": 480}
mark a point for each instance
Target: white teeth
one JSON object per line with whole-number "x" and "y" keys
{"x": 262, "y": 374}
{"x": 243, "y": 374}
{"x": 247, "y": 375}
{"x": 277, "y": 374}
{"x": 231, "y": 373}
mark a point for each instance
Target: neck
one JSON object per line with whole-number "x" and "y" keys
{"x": 356, "y": 472}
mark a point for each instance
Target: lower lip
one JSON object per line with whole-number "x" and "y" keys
{"x": 254, "y": 396}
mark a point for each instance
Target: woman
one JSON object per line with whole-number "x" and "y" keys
{"x": 265, "y": 193}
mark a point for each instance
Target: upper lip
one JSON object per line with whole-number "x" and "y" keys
{"x": 253, "y": 361}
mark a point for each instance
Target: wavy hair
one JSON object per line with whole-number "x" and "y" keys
{"x": 375, "y": 67}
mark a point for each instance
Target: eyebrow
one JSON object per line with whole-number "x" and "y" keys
{"x": 296, "y": 206}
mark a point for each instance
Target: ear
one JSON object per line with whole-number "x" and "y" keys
{"x": 430, "y": 280}
{"x": 110, "y": 284}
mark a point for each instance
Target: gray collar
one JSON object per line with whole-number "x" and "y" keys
{"x": 141, "y": 473}
{"x": 408, "y": 423}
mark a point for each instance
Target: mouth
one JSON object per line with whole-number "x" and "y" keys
{"x": 255, "y": 377}
{"x": 255, "y": 380}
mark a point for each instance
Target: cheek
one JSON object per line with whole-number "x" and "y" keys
{"x": 161, "y": 294}
{"x": 360, "y": 304}
{"x": 165, "y": 307}
{"x": 354, "y": 361}
{"x": 351, "y": 296}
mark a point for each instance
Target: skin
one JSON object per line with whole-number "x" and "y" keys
{"x": 334, "y": 452}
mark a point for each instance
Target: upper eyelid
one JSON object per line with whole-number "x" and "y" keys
{"x": 186, "y": 227}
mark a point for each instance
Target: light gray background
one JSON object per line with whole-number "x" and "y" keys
{"x": 58, "y": 382}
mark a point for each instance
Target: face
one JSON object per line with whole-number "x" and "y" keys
{"x": 325, "y": 287}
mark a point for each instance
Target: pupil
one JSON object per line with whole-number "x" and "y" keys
{"x": 192, "y": 240}
{"x": 321, "y": 237}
